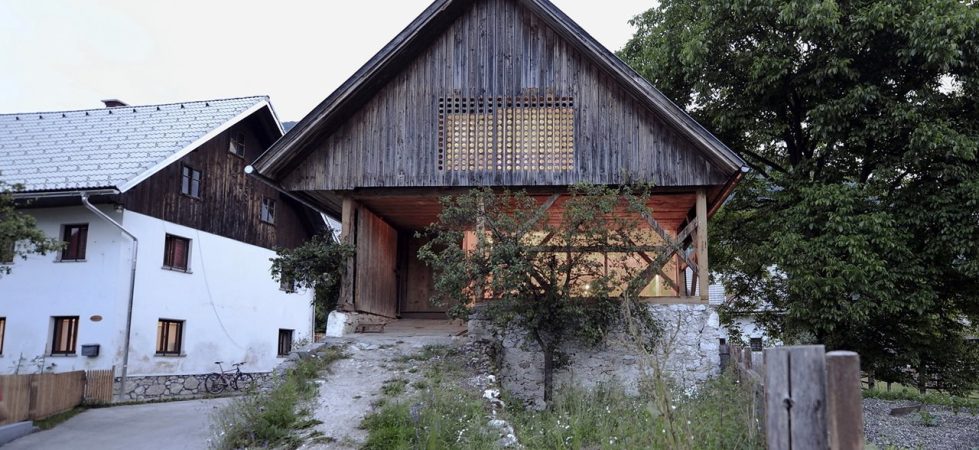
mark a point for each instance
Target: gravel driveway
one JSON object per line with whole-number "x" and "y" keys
{"x": 948, "y": 431}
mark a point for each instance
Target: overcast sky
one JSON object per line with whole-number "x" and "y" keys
{"x": 61, "y": 54}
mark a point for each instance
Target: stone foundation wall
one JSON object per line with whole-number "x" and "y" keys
{"x": 171, "y": 387}
{"x": 687, "y": 352}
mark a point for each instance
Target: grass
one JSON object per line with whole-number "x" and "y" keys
{"x": 716, "y": 417}
{"x": 955, "y": 402}
{"x": 395, "y": 387}
{"x": 57, "y": 419}
{"x": 444, "y": 414}
{"x": 274, "y": 418}
{"x": 440, "y": 414}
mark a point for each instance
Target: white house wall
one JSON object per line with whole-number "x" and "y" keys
{"x": 41, "y": 287}
{"x": 232, "y": 308}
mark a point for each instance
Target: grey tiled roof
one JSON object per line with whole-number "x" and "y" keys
{"x": 105, "y": 147}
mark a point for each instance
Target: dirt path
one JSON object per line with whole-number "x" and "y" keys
{"x": 346, "y": 395}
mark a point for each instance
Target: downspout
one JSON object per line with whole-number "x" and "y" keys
{"x": 132, "y": 289}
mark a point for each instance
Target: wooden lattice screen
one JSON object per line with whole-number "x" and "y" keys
{"x": 506, "y": 133}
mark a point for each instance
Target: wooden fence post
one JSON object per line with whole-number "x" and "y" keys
{"x": 795, "y": 396}
{"x": 845, "y": 402}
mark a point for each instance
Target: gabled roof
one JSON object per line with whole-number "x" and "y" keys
{"x": 111, "y": 148}
{"x": 372, "y": 76}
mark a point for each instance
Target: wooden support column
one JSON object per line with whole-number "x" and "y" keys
{"x": 348, "y": 235}
{"x": 702, "y": 265}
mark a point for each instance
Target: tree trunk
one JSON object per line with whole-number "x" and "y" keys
{"x": 548, "y": 374}
{"x": 548, "y": 349}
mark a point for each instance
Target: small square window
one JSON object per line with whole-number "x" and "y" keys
{"x": 65, "y": 335}
{"x": 237, "y": 146}
{"x": 268, "y": 210}
{"x": 75, "y": 238}
{"x": 287, "y": 283}
{"x": 176, "y": 253}
{"x": 190, "y": 181}
{"x": 169, "y": 337}
{"x": 756, "y": 345}
{"x": 3, "y": 332}
{"x": 285, "y": 342}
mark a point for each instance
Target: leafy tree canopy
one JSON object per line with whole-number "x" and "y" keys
{"x": 860, "y": 221}
{"x": 19, "y": 235}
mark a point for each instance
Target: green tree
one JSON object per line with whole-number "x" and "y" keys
{"x": 317, "y": 264}
{"x": 19, "y": 235}
{"x": 860, "y": 221}
{"x": 552, "y": 282}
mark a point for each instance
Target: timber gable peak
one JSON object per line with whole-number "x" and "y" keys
{"x": 414, "y": 41}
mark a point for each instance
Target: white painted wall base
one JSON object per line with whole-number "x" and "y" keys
{"x": 341, "y": 323}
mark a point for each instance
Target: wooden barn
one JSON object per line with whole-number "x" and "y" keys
{"x": 501, "y": 93}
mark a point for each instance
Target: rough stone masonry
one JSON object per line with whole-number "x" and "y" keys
{"x": 687, "y": 351}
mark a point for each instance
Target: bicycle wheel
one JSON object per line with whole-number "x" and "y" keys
{"x": 244, "y": 382}
{"x": 215, "y": 383}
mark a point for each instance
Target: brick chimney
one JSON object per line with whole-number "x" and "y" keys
{"x": 113, "y": 102}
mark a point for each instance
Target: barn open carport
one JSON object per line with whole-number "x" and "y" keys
{"x": 507, "y": 94}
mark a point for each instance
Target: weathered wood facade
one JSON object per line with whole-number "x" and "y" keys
{"x": 506, "y": 93}
{"x": 230, "y": 201}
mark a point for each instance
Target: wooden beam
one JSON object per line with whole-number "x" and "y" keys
{"x": 681, "y": 300}
{"x": 348, "y": 235}
{"x": 703, "y": 267}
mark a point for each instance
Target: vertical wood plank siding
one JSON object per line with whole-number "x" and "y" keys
{"x": 499, "y": 49}
{"x": 376, "y": 288}
{"x": 230, "y": 201}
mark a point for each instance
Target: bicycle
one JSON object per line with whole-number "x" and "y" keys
{"x": 217, "y": 382}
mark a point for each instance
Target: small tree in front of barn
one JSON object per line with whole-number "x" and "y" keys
{"x": 554, "y": 271}
{"x": 317, "y": 264}
{"x": 19, "y": 234}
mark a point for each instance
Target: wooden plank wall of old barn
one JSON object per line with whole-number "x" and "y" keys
{"x": 377, "y": 264}
{"x": 499, "y": 49}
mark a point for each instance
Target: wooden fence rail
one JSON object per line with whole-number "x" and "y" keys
{"x": 37, "y": 396}
{"x": 808, "y": 398}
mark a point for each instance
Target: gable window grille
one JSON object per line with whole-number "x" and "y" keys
{"x": 190, "y": 182}
{"x": 65, "y": 335}
{"x": 506, "y": 134}
{"x": 176, "y": 253}
{"x": 75, "y": 238}
{"x": 756, "y": 345}
{"x": 268, "y": 211}
{"x": 169, "y": 337}
{"x": 237, "y": 144}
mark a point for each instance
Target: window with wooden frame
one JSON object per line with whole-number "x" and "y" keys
{"x": 267, "y": 213}
{"x": 176, "y": 253}
{"x": 169, "y": 337}
{"x": 75, "y": 238}
{"x": 524, "y": 133}
{"x": 3, "y": 332}
{"x": 287, "y": 283}
{"x": 190, "y": 181}
{"x": 285, "y": 342}
{"x": 237, "y": 145}
{"x": 65, "y": 337}
{"x": 756, "y": 344}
